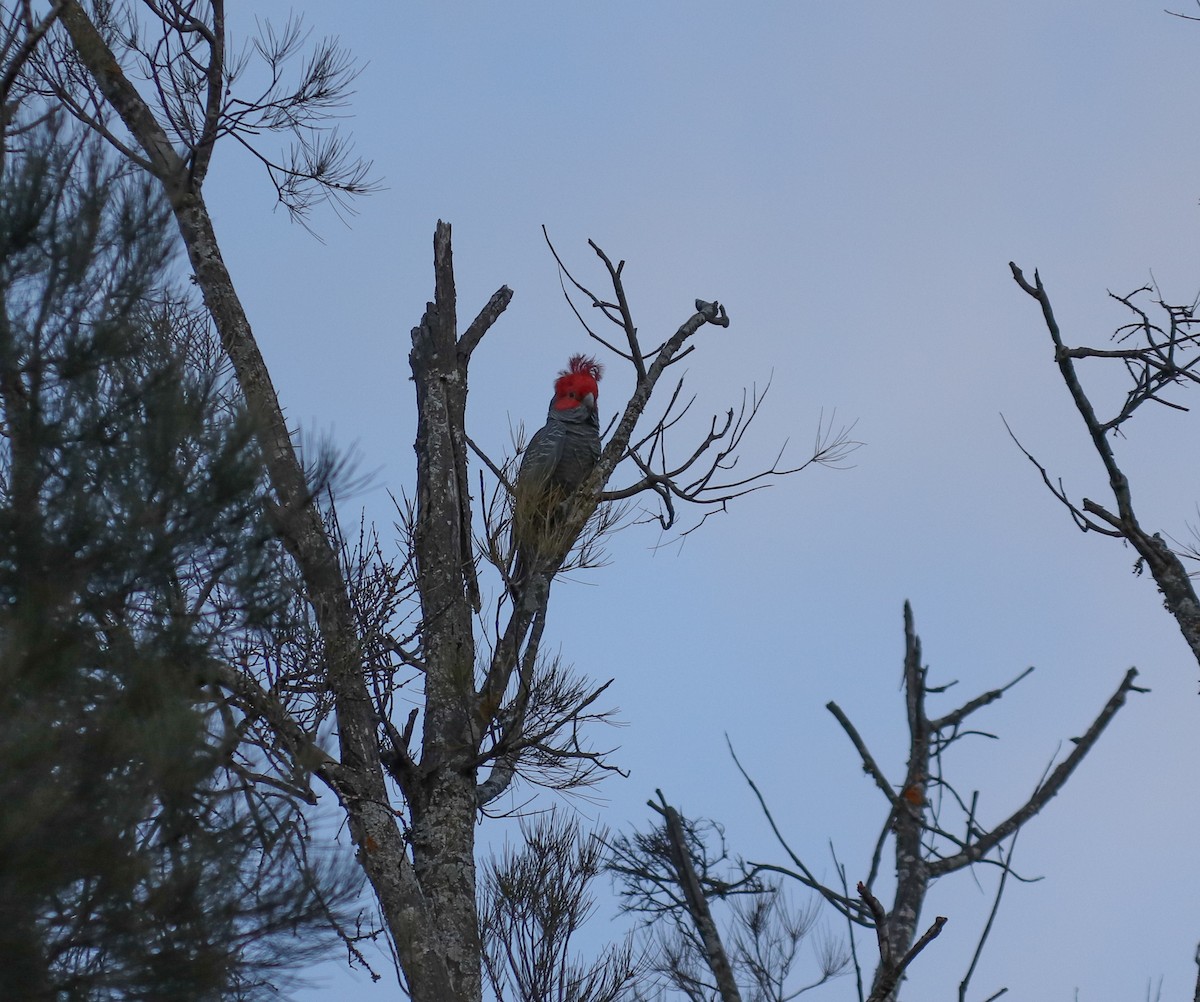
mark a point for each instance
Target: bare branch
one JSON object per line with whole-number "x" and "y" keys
{"x": 626, "y": 322}
{"x": 848, "y": 906}
{"x": 870, "y": 767}
{"x": 954, "y": 718}
{"x": 1006, "y": 869}
{"x": 15, "y": 63}
{"x": 697, "y": 903}
{"x": 891, "y": 970}
{"x": 1045, "y": 790}
{"x": 483, "y": 322}
{"x": 1084, "y": 523}
{"x": 1152, "y": 368}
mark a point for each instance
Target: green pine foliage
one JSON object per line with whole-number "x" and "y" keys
{"x": 135, "y": 552}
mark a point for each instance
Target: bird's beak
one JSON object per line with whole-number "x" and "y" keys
{"x": 589, "y": 401}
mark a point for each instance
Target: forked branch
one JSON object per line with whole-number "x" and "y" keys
{"x": 933, "y": 828}
{"x": 701, "y": 476}
{"x": 1158, "y": 357}
{"x": 891, "y": 968}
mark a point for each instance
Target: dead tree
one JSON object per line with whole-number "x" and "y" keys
{"x": 1161, "y": 356}
{"x": 934, "y": 827}
{"x": 924, "y": 809}
{"x": 158, "y": 82}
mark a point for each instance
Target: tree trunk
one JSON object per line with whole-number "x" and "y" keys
{"x": 443, "y": 794}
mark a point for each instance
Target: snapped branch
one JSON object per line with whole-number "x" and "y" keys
{"x": 891, "y": 970}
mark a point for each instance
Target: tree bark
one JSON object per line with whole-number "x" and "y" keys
{"x": 358, "y": 779}
{"x": 912, "y": 869}
{"x": 697, "y": 905}
{"x": 443, "y": 798}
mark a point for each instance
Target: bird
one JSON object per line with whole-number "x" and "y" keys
{"x": 559, "y": 457}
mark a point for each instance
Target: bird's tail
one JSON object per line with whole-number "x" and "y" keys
{"x": 538, "y": 534}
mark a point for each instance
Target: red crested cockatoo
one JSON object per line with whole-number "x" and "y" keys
{"x": 559, "y": 457}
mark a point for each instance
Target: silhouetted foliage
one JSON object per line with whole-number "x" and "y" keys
{"x": 534, "y": 900}
{"x": 134, "y": 861}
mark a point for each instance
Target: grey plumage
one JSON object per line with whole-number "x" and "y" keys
{"x": 562, "y": 452}
{"x": 559, "y": 457}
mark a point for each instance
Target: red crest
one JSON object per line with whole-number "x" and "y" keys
{"x": 580, "y": 378}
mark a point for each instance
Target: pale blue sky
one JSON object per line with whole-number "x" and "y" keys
{"x": 851, "y": 180}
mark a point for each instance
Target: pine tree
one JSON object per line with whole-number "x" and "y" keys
{"x": 134, "y": 544}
